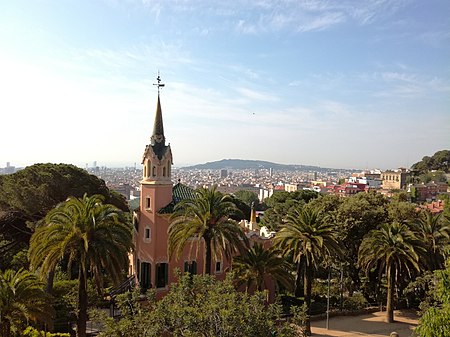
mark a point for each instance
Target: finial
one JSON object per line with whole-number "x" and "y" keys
{"x": 159, "y": 84}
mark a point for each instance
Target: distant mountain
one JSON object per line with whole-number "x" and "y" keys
{"x": 240, "y": 164}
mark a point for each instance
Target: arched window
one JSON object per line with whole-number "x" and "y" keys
{"x": 154, "y": 171}
{"x": 164, "y": 171}
{"x": 145, "y": 171}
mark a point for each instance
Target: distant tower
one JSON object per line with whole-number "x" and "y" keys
{"x": 223, "y": 173}
{"x": 271, "y": 172}
{"x": 8, "y": 164}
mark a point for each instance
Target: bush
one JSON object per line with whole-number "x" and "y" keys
{"x": 356, "y": 302}
{"x": 32, "y": 332}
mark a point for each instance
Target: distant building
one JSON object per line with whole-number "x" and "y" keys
{"x": 427, "y": 192}
{"x": 223, "y": 173}
{"x": 8, "y": 169}
{"x": 265, "y": 193}
{"x": 394, "y": 179}
{"x": 348, "y": 189}
{"x": 124, "y": 189}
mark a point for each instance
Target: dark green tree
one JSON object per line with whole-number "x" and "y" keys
{"x": 394, "y": 249}
{"x": 22, "y": 300}
{"x": 27, "y": 195}
{"x": 355, "y": 217}
{"x": 435, "y": 320}
{"x": 439, "y": 161}
{"x": 255, "y": 266}
{"x": 96, "y": 236}
{"x": 199, "y": 305}
{"x": 434, "y": 233}
{"x": 281, "y": 203}
{"x": 248, "y": 197}
{"x": 310, "y": 240}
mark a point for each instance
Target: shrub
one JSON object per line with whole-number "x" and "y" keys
{"x": 32, "y": 332}
{"x": 356, "y": 302}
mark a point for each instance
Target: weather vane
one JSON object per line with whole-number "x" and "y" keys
{"x": 159, "y": 84}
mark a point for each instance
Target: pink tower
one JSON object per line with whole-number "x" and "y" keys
{"x": 150, "y": 263}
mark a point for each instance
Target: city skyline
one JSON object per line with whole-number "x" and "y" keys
{"x": 345, "y": 84}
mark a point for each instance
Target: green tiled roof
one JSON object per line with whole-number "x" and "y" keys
{"x": 179, "y": 192}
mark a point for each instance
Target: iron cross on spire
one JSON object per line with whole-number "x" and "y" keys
{"x": 159, "y": 84}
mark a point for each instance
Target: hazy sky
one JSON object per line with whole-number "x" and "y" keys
{"x": 344, "y": 84}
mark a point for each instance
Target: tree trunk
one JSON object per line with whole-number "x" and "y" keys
{"x": 82, "y": 303}
{"x": 298, "y": 279}
{"x": 308, "y": 288}
{"x": 50, "y": 278}
{"x": 208, "y": 257}
{"x": 6, "y": 328}
{"x": 390, "y": 293}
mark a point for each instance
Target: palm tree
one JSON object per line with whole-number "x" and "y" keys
{"x": 254, "y": 266}
{"x": 96, "y": 236}
{"x": 22, "y": 298}
{"x": 206, "y": 217}
{"x": 393, "y": 247}
{"x": 309, "y": 240}
{"x": 434, "y": 233}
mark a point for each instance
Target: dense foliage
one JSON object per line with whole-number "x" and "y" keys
{"x": 197, "y": 306}
{"x": 95, "y": 236}
{"x": 435, "y": 320}
{"x": 22, "y": 300}
{"x": 27, "y": 195}
{"x": 440, "y": 161}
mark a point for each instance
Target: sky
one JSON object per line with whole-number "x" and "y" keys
{"x": 339, "y": 83}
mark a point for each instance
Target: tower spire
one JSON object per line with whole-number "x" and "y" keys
{"x": 158, "y": 127}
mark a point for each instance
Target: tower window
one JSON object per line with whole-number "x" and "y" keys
{"x": 154, "y": 171}
{"x": 162, "y": 275}
{"x": 147, "y": 234}
{"x": 164, "y": 171}
{"x": 148, "y": 203}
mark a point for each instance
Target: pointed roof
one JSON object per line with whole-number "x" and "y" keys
{"x": 158, "y": 127}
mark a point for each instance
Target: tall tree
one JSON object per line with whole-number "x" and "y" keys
{"x": 434, "y": 233}
{"x": 310, "y": 240}
{"x": 355, "y": 217}
{"x": 22, "y": 299}
{"x": 95, "y": 236}
{"x": 206, "y": 217}
{"x": 257, "y": 264}
{"x": 435, "y": 320}
{"x": 281, "y": 203}
{"x": 27, "y": 195}
{"x": 393, "y": 248}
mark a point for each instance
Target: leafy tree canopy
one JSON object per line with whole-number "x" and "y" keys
{"x": 27, "y": 195}
{"x": 197, "y": 306}
{"x": 281, "y": 203}
{"x": 435, "y": 320}
{"x": 248, "y": 197}
{"x": 440, "y": 161}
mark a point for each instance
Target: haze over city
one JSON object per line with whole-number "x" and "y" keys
{"x": 343, "y": 84}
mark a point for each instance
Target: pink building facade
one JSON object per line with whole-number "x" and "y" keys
{"x": 150, "y": 262}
